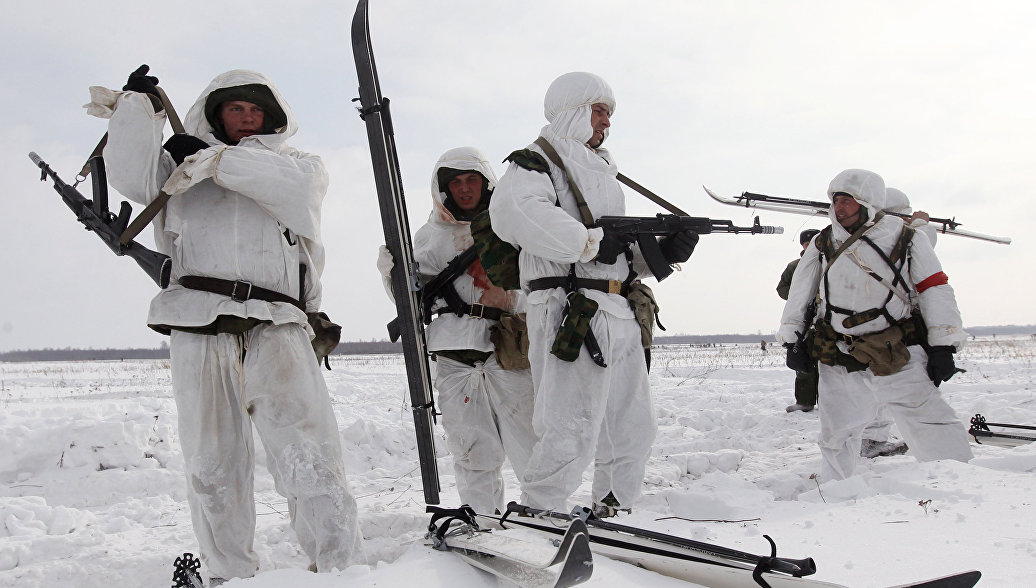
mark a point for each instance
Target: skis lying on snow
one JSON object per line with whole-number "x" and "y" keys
{"x": 985, "y": 436}
{"x": 947, "y": 226}
{"x": 406, "y": 285}
{"x": 540, "y": 563}
{"x": 686, "y": 559}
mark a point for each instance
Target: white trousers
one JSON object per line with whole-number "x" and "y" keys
{"x": 586, "y": 413}
{"x": 487, "y": 414}
{"x": 851, "y": 401}
{"x": 267, "y": 376}
{"x": 879, "y": 428}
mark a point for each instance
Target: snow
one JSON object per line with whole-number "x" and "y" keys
{"x": 92, "y": 491}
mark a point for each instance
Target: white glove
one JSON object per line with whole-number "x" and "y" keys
{"x": 385, "y": 265}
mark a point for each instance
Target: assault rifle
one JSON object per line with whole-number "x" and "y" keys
{"x": 95, "y": 216}
{"x": 644, "y": 229}
{"x": 441, "y": 286}
{"x": 946, "y": 226}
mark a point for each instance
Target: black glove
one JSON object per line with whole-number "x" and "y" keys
{"x": 799, "y": 359}
{"x": 678, "y": 247}
{"x": 940, "y": 364}
{"x": 181, "y": 146}
{"x": 610, "y": 248}
{"x": 139, "y": 81}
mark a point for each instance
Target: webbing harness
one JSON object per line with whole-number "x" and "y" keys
{"x": 895, "y": 260}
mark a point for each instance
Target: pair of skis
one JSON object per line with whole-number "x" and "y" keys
{"x": 489, "y": 542}
{"x": 534, "y": 562}
{"x": 946, "y": 226}
{"x": 483, "y": 541}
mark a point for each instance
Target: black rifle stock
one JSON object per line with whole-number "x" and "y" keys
{"x": 95, "y": 216}
{"x": 644, "y": 231}
{"x": 441, "y": 286}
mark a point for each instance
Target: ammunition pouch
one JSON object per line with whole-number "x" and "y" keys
{"x": 645, "y": 310}
{"x": 823, "y": 340}
{"x": 328, "y": 335}
{"x": 579, "y": 310}
{"x": 884, "y": 352}
{"x": 510, "y": 338}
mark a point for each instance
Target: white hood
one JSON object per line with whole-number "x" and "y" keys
{"x": 867, "y": 187}
{"x": 462, "y": 158}
{"x": 567, "y": 105}
{"x": 195, "y": 123}
{"x": 896, "y": 201}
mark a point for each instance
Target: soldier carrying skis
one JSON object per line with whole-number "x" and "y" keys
{"x": 871, "y": 346}
{"x": 484, "y": 382}
{"x": 242, "y": 227}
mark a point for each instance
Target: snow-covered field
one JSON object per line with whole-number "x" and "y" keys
{"x": 92, "y": 490}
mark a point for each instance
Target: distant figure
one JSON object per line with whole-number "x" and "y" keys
{"x": 805, "y": 384}
{"x": 762, "y": 345}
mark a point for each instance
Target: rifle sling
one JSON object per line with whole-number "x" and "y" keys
{"x": 651, "y": 195}
{"x": 152, "y": 209}
{"x": 584, "y": 210}
{"x": 144, "y": 218}
{"x": 174, "y": 122}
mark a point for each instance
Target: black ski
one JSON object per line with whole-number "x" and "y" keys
{"x": 961, "y": 580}
{"x": 374, "y": 110}
{"x": 530, "y": 564}
{"x": 694, "y": 561}
{"x": 983, "y": 435}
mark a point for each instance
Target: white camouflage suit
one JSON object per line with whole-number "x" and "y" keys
{"x": 850, "y": 401}
{"x": 584, "y": 413}
{"x": 250, "y": 211}
{"x": 486, "y": 410}
{"x": 896, "y": 201}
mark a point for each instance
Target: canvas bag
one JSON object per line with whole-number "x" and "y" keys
{"x": 510, "y": 338}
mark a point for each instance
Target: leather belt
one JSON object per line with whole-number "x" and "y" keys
{"x": 606, "y": 286}
{"x": 475, "y": 310}
{"x": 237, "y": 290}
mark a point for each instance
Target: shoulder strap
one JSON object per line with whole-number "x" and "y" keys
{"x": 833, "y": 256}
{"x": 584, "y": 209}
{"x": 529, "y": 159}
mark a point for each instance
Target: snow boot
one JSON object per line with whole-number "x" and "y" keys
{"x": 871, "y": 449}
{"x": 797, "y": 406}
{"x": 609, "y": 507}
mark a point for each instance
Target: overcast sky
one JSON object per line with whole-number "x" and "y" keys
{"x": 771, "y": 97}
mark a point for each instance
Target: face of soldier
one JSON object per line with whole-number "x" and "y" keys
{"x": 847, "y": 210}
{"x": 600, "y": 119}
{"x": 240, "y": 119}
{"x": 466, "y": 190}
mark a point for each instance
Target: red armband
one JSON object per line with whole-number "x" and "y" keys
{"x": 937, "y": 279}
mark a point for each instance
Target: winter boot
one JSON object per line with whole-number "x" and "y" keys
{"x": 871, "y": 449}
{"x": 609, "y": 507}
{"x": 797, "y": 406}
